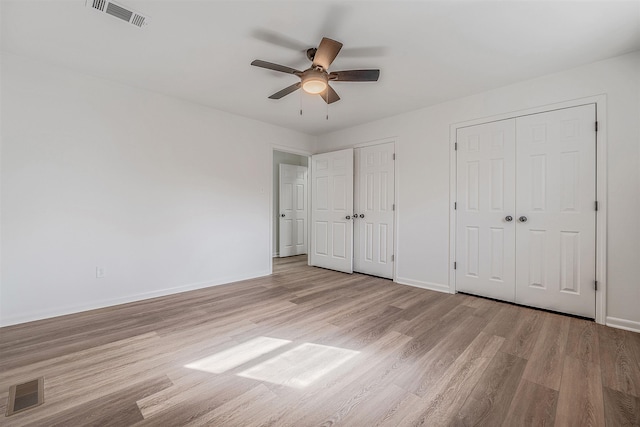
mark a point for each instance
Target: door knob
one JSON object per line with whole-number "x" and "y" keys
{"x": 522, "y": 219}
{"x": 282, "y": 215}
{"x": 348, "y": 217}
{"x": 508, "y": 218}
{"x": 361, "y": 215}
{"x": 355, "y": 216}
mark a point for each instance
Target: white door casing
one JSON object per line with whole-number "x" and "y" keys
{"x": 293, "y": 210}
{"x": 556, "y": 192}
{"x": 485, "y": 234}
{"x": 331, "y": 210}
{"x": 374, "y": 189}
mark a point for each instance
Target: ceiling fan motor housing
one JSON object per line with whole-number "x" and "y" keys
{"x": 311, "y": 53}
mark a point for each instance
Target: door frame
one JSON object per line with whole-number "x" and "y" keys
{"x": 396, "y": 181}
{"x": 290, "y": 150}
{"x": 601, "y": 188}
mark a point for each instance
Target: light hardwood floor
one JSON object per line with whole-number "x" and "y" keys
{"x": 322, "y": 348}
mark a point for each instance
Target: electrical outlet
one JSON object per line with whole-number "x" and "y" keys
{"x": 100, "y": 272}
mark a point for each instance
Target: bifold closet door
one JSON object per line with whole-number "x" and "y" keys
{"x": 293, "y": 210}
{"x": 374, "y": 210}
{"x": 485, "y": 232}
{"x": 526, "y": 218}
{"x": 331, "y": 210}
{"x": 556, "y": 193}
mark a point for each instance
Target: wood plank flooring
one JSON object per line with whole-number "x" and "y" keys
{"x": 311, "y": 347}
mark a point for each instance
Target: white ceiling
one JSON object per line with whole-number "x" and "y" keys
{"x": 428, "y": 52}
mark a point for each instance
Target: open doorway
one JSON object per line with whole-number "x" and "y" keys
{"x": 290, "y": 204}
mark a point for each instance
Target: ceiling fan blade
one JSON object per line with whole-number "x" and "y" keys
{"x": 355, "y": 76}
{"x": 286, "y": 91}
{"x": 275, "y": 67}
{"x": 329, "y": 95}
{"x": 326, "y": 53}
{"x": 364, "y": 52}
{"x": 278, "y": 39}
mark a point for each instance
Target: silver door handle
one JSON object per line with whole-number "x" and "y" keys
{"x": 508, "y": 218}
{"x": 282, "y": 215}
{"x": 361, "y": 215}
{"x": 348, "y": 217}
{"x": 355, "y": 216}
{"x": 522, "y": 219}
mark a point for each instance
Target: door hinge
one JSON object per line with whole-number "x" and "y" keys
{"x": 393, "y": 258}
{"x": 596, "y": 126}
{"x": 393, "y": 207}
{"x": 455, "y": 146}
{"x": 455, "y": 265}
{"x": 394, "y": 156}
{"x": 455, "y": 206}
{"x": 596, "y": 203}
{"x": 595, "y": 285}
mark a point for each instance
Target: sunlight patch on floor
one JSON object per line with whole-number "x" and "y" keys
{"x": 238, "y": 355}
{"x": 301, "y": 365}
{"x": 297, "y": 367}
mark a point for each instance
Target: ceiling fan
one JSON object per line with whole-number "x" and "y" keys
{"x": 315, "y": 79}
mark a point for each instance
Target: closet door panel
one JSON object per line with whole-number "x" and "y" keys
{"x": 556, "y": 192}
{"x": 374, "y": 200}
{"x": 331, "y": 210}
{"x": 485, "y": 231}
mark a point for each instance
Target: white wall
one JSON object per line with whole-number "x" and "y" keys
{"x": 423, "y": 161}
{"x": 287, "y": 159}
{"x": 164, "y": 194}
{"x": 168, "y": 195}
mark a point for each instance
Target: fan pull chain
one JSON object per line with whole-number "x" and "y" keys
{"x": 300, "y": 102}
{"x": 327, "y": 103}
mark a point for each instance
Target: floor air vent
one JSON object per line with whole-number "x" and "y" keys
{"x": 25, "y": 396}
{"x": 119, "y": 11}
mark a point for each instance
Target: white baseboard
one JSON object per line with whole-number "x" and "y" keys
{"x": 424, "y": 285}
{"x": 627, "y": 325}
{"x": 72, "y": 309}
{"x": 275, "y": 255}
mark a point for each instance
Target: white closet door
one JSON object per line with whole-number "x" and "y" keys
{"x": 556, "y": 185}
{"x": 485, "y": 232}
{"x": 374, "y": 200}
{"x": 331, "y": 210}
{"x": 293, "y": 210}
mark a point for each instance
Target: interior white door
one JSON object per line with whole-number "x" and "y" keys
{"x": 331, "y": 210}
{"x": 485, "y": 232}
{"x": 293, "y": 210}
{"x": 556, "y": 190}
{"x": 373, "y": 210}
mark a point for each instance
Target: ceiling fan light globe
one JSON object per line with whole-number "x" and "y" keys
{"x": 314, "y": 86}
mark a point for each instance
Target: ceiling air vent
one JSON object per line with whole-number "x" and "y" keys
{"x": 119, "y": 11}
